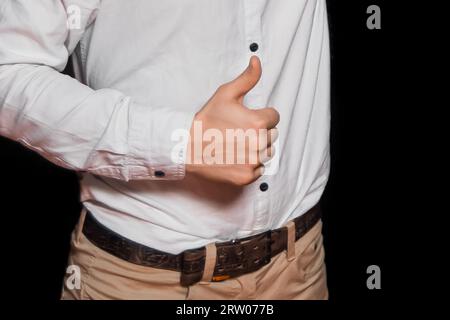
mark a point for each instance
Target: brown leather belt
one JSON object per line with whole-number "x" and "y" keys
{"x": 234, "y": 258}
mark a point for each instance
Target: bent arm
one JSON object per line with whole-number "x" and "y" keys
{"x": 100, "y": 131}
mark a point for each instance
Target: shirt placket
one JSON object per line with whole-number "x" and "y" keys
{"x": 253, "y": 31}
{"x": 255, "y": 46}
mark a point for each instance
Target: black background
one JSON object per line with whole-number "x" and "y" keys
{"x": 39, "y": 201}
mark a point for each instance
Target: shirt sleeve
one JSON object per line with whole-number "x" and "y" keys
{"x": 99, "y": 131}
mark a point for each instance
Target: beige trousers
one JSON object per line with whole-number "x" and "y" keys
{"x": 299, "y": 275}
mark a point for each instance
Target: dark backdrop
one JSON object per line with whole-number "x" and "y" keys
{"x": 39, "y": 201}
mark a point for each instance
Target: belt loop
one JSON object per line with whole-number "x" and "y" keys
{"x": 210, "y": 262}
{"x": 79, "y": 228}
{"x": 290, "y": 240}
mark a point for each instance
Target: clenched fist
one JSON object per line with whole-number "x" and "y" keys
{"x": 228, "y": 141}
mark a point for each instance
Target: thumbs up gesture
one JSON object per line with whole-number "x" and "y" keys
{"x": 234, "y": 141}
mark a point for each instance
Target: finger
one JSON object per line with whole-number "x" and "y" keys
{"x": 266, "y": 138}
{"x": 247, "y": 80}
{"x": 266, "y": 155}
{"x": 259, "y": 171}
{"x": 270, "y": 117}
{"x": 272, "y": 136}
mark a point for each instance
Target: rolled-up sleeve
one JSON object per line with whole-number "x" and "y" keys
{"x": 102, "y": 131}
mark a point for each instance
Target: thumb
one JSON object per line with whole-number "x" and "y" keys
{"x": 248, "y": 79}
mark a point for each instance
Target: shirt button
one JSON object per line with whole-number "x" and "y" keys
{"x": 254, "y": 47}
{"x": 159, "y": 173}
{"x": 263, "y": 186}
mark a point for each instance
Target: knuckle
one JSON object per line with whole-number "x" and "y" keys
{"x": 273, "y": 135}
{"x": 260, "y": 123}
{"x": 276, "y": 114}
{"x": 223, "y": 88}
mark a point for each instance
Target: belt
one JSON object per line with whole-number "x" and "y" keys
{"x": 234, "y": 258}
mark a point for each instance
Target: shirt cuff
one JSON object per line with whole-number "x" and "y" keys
{"x": 157, "y": 142}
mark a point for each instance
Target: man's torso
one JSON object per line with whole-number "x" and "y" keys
{"x": 175, "y": 54}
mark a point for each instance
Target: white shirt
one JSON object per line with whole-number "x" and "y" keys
{"x": 143, "y": 68}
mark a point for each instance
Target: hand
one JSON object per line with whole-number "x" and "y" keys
{"x": 223, "y": 121}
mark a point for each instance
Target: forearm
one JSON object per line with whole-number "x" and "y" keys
{"x": 65, "y": 121}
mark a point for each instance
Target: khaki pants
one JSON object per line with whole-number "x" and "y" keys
{"x": 103, "y": 276}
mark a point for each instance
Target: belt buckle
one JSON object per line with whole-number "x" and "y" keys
{"x": 224, "y": 277}
{"x": 252, "y": 266}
